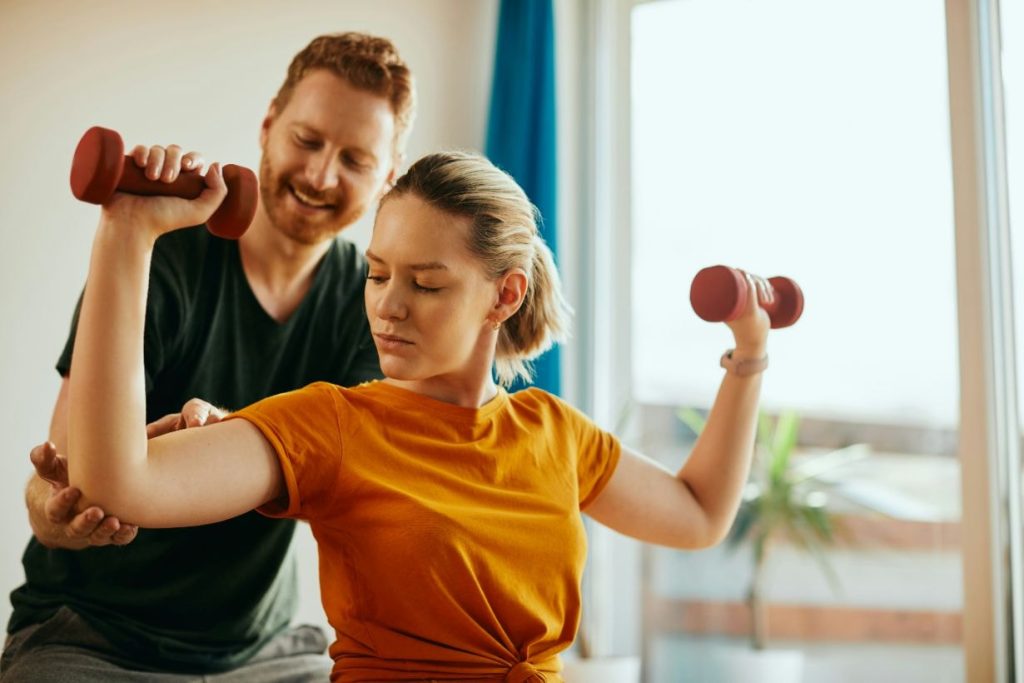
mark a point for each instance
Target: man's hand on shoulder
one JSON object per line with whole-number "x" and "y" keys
{"x": 195, "y": 413}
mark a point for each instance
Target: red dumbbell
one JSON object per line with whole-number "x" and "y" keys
{"x": 719, "y": 294}
{"x": 100, "y": 168}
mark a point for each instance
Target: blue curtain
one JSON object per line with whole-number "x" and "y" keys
{"x": 521, "y": 125}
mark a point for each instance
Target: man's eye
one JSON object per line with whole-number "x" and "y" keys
{"x": 356, "y": 163}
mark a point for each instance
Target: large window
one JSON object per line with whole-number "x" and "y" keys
{"x": 809, "y": 139}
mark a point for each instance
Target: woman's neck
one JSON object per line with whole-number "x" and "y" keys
{"x": 459, "y": 393}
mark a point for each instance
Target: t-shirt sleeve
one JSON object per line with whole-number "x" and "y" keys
{"x": 597, "y": 455}
{"x": 166, "y": 305}
{"x": 304, "y": 430}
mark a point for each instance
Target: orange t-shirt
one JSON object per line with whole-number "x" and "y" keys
{"x": 450, "y": 539}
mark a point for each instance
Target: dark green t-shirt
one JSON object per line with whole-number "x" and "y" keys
{"x": 206, "y": 598}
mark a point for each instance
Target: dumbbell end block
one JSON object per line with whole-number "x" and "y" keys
{"x": 233, "y": 216}
{"x": 100, "y": 168}
{"x": 718, "y": 293}
{"x": 97, "y": 165}
{"x": 789, "y": 302}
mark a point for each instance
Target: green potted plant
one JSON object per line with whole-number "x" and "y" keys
{"x": 783, "y": 500}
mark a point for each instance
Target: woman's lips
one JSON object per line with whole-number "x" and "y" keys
{"x": 390, "y": 342}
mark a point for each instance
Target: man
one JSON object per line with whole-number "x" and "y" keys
{"x": 231, "y": 323}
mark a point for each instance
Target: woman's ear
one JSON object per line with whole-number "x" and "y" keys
{"x": 512, "y": 287}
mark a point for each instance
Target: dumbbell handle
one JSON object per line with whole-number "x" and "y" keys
{"x": 100, "y": 167}
{"x": 188, "y": 184}
{"x": 719, "y": 294}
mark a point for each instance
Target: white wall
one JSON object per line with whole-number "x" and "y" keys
{"x": 196, "y": 73}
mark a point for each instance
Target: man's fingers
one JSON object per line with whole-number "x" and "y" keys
{"x": 88, "y": 525}
{"x": 41, "y": 455}
{"x": 195, "y": 412}
{"x": 165, "y": 425}
{"x": 49, "y": 465}
{"x": 113, "y": 532}
{"x": 84, "y": 523}
{"x": 58, "y": 506}
{"x": 125, "y": 535}
{"x": 198, "y": 412}
{"x": 105, "y": 531}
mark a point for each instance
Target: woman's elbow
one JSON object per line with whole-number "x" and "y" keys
{"x": 708, "y": 523}
{"x": 716, "y": 535}
{"x": 114, "y": 496}
{"x": 702, "y": 534}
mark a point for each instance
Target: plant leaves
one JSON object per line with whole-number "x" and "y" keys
{"x": 812, "y": 531}
{"x": 816, "y": 466}
{"x": 692, "y": 419}
{"x": 787, "y": 427}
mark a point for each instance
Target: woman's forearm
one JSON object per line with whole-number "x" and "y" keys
{"x": 109, "y": 457}
{"x": 719, "y": 464}
{"x": 107, "y": 405}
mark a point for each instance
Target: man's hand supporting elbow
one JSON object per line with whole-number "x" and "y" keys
{"x": 52, "y": 503}
{"x": 52, "y": 511}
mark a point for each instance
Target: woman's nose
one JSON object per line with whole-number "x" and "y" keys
{"x": 391, "y": 304}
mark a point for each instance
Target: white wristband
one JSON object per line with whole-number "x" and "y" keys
{"x": 743, "y": 368}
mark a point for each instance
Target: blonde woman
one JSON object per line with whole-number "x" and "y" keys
{"x": 447, "y": 511}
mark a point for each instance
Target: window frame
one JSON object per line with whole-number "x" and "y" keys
{"x": 599, "y": 379}
{"x": 989, "y": 430}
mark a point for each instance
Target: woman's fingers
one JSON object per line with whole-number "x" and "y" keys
{"x": 166, "y": 163}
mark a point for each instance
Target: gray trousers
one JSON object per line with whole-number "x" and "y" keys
{"x": 66, "y": 649}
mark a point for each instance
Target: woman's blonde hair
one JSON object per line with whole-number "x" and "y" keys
{"x": 503, "y": 235}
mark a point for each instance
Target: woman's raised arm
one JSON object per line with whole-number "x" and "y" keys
{"x": 695, "y": 507}
{"x": 186, "y": 478}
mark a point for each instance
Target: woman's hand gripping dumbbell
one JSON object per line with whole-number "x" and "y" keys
{"x": 719, "y": 294}
{"x": 100, "y": 168}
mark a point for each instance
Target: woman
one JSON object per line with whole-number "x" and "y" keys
{"x": 447, "y": 512}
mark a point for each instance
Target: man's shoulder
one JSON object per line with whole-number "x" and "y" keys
{"x": 185, "y": 251}
{"x": 183, "y": 258}
{"x": 343, "y": 273}
{"x": 347, "y": 258}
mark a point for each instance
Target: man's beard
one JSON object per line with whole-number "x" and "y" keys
{"x": 308, "y": 230}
